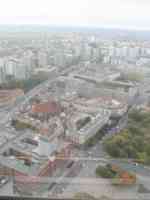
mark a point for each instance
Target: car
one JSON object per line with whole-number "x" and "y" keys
{"x": 3, "y": 180}
{"x": 136, "y": 164}
{"x": 70, "y": 164}
{"x": 89, "y": 154}
{"x": 7, "y": 125}
{"x": 52, "y": 185}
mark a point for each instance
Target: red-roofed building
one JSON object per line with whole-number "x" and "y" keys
{"x": 8, "y": 97}
{"x": 50, "y": 107}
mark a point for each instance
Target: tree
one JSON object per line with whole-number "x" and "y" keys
{"x": 134, "y": 142}
{"x": 22, "y": 125}
{"x": 104, "y": 172}
{"x": 26, "y": 85}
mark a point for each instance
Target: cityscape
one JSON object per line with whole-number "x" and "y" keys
{"x": 74, "y": 113}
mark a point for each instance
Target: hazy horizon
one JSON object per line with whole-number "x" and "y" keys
{"x": 122, "y": 14}
{"x": 69, "y": 27}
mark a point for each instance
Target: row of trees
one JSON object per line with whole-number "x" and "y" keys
{"x": 25, "y": 85}
{"x": 93, "y": 140}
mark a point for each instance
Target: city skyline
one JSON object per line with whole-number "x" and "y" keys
{"x": 74, "y": 111}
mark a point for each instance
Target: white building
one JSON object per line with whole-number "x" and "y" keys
{"x": 42, "y": 59}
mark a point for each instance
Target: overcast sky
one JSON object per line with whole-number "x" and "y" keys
{"x": 99, "y": 13}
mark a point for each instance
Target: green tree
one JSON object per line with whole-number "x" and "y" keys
{"x": 104, "y": 172}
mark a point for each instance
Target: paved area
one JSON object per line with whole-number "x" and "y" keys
{"x": 7, "y": 189}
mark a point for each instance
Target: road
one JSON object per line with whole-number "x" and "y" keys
{"x": 95, "y": 157}
{"x": 7, "y": 189}
{"x": 129, "y": 166}
{"x": 88, "y": 171}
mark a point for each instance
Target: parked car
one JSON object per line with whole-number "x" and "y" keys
{"x": 3, "y": 180}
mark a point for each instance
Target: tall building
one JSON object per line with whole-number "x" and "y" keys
{"x": 42, "y": 59}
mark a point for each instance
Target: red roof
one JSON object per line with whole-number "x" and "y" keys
{"x": 48, "y": 107}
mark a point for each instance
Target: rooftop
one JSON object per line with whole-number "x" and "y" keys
{"x": 47, "y": 107}
{"x": 29, "y": 153}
